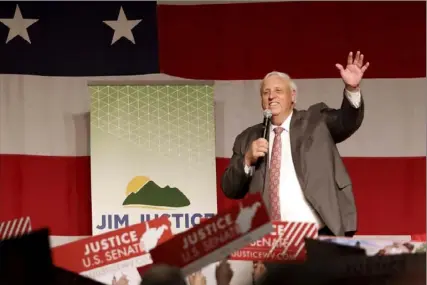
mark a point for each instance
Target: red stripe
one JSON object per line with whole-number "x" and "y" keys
{"x": 390, "y": 193}
{"x": 304, "y": 39}
{"x": 55, "y": 192}
{"x": 52, "y": 191}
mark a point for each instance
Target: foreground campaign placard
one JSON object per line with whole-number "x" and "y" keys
{"x": 284, "y": 243}
{"x": 216, "y": 238}
{"x": 336, "y": 264}
{"x": 116, "y": 254}
{"x": 15, "y": 228}
{"x": 419, "y": 237}
{"x": 339, "y": 261}
{"x": 378, "y": 246}
{"x": 405, "y": 269}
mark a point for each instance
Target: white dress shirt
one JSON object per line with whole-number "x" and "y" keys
{"x": 293, "y": 205}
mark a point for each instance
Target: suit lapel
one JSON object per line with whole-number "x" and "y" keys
{"x": 263, "y": 173}
{"x": 263, "y": 178}
{"x": 259, "y": 181}
{"x": 296, "y": 133}
{"x": 260, "y": 167}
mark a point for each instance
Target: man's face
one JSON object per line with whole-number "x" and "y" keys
{"x": 276, "y": 95}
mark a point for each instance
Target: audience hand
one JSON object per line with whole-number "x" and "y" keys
{"x": 197, "y": 278}
{"x": 122, "y": 280}
{"x": 259, "y": 269}
{"x": 258, "y": 148}
{"x": 223, "y": 273}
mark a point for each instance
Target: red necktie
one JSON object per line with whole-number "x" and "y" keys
{"x": 274, "y": 177}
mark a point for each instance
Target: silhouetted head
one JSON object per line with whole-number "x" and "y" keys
{"x": 163, "y": 274}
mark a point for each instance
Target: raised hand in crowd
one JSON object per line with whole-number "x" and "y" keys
{"x": 223, "y": 273}
{"x": 197, "y": 278}
{"x": 258, "y": 269}
{"x": 123, "y": 280}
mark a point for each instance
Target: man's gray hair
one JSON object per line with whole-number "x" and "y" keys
{"x": 284, "y": 76}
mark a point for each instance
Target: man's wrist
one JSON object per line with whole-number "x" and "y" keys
{"x": 352, "y": 89}
{"x": 247, "y": 162}
{"x": 247, "y": 168}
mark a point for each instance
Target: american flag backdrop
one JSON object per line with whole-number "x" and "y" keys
{"x": 50, "y": 51}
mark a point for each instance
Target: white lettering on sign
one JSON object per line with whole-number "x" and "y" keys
{"x": 216, "y": 241}
{"x": 111, "y": 242}
{"x": 269, "y": 242}
{"x": 206, "y": 231}
{"x": 279, "y": 230}
{"x": 261, "y": 255}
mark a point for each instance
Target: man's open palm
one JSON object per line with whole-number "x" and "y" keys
{"x": 353, "y": 72}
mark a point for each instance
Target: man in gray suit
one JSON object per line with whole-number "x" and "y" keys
{"x": 306, "y": 179}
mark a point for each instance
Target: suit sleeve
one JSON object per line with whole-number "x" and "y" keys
{"x": 234, "y": 181}
{"x": 345, "y": 121}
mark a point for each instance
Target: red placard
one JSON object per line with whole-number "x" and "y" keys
{"x": 419, "y": 237}
{"x": 284, "y": 243}
{"x": 112, "y": 247}
{"x": 217, "y": 237}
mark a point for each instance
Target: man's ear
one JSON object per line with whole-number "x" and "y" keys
{"x": 294, "y": 96}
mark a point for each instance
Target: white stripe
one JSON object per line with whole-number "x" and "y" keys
{"x": 2, "y": 225}
{"x": 311, "y": 234}
{"x": 20, "y": 231}
{"x": 27, "y": 225}
{"x": 50, "y": 116}
{"x": 304, "y": 233}
{"x": 61, "y": 240}
{"x": 394, "y": 124}
{"x": 294, "y": 235}
{"x": 5, "y": 230}
{"x": 12, "y": 230}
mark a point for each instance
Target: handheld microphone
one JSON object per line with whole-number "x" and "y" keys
{"x": 266, "y": 135}
{"x": 266, "y": 123}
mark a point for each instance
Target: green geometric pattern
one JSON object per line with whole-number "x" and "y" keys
{"x": 169, "y": 119}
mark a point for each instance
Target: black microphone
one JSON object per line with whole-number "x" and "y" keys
{"x": 266, "y": 124}
{"x": 266, "y": 135}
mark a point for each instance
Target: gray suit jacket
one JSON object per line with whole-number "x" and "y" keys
{"x": 322, "y": 175}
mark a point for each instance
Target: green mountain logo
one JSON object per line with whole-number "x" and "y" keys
{"x": 141, "y": 191}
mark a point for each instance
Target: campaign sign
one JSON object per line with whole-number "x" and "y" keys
{"x": 375, "y": 246}
{"x": 356, "y": 261}
{"x": 217, "y": 237}
{"x": 284, "y": 243}
{"x": 110, "y": 252}
{"x": 419, "y": 237}
{"x": 15, "y": 228}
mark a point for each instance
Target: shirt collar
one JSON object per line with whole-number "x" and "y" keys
{"x": 286, "y": 124}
